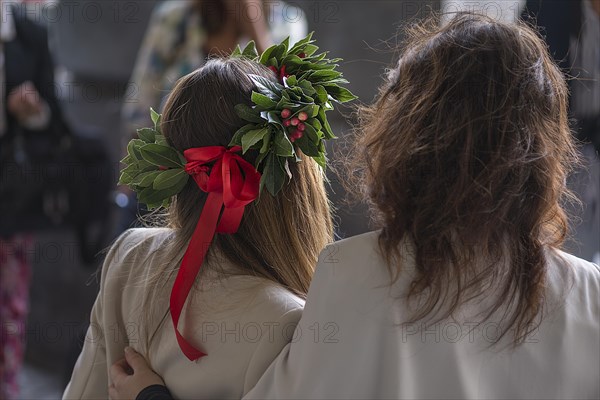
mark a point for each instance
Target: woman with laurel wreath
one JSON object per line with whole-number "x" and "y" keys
{"x": 215, "y": 295}
{"x": 464, "y": 292}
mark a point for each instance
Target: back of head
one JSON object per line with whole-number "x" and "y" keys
{"x": 280, "y": 237}
{"x": 466, "y": 153}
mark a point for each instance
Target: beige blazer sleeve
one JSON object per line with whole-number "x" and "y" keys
{"x": 90, "y": 374}
{"x": 278, "y": 334}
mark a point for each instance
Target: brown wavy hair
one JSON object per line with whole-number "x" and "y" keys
{"x": 465, "y": 153}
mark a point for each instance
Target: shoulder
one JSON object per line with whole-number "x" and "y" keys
{"x": 132, "y": 241}
{"x": 583, "y": 275}
{"x": 573, "y": 289}
{"x": 351, "y": 254}
{"x": 258, "y": 298}
{"x": 347, "y": 270}
{"x": 132, "y": 248}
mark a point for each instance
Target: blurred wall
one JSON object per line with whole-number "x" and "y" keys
{"x": 95, "y": 45}
{"x": 365, "y": 33}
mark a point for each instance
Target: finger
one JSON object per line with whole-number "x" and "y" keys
{"x": 33, "y": 102}
{"x": 13, "y": 102}
{"x": 135, "y": 360}
{"x": 27, "y": 86}
{"x": 112, "y": 393}
{"x": 118, "y": 370}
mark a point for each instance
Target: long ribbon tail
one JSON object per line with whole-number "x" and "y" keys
{"x": 190, "y": 266}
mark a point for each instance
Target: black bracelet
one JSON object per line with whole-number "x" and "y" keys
{"x": 154, "y": 392}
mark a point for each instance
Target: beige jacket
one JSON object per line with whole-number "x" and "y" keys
{"x": 241, "y": 322}
{"x": 350, "y": 344}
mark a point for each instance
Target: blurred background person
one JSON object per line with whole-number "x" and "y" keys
{"x": 181, "y": 35}
{"x": 28, "y": 107}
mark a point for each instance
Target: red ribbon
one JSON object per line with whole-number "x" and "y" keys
{"x": 231, "y": 184}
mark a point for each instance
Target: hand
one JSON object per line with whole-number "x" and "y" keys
{"x": 24, "y": 101}
{"x": 130, "y": 375}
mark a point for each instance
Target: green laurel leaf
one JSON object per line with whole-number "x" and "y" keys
{"x": 310, "y": 49}
{"x": 290, "y": 81}
{"x": 250, "y": 50}
{"x": 145, "y": 179}
{"x": 154, "y": 198}
{"x": 326, "y": 128}
{"x": 301, "y": 44}
{"x": 125, "y": 178}
{"x": 133, "y": 149}
{"x": 253, "y": 137}
{"x": 156, "y": 117}
{"x": 339, "y": 94}
{"x": 160, "y": 155}
{"x": 273, "y": 177}
{"x": 168, "y": 178}
{"x": 265, "y": 144}
{"x": 266, "y": 55}
{"x": 148, "y": 135}
{"x": 246, "y": 113}
{"x": 311, "y": 133}
{"x": 321, "y": 94}
{"x": 324, "y": 75}
{"x": 321, "y": 159}
{"x": 236, "y": 140}
{"x": 266, "y": 86}
{"x": 307, "y": 146}
{"x": 237, "y": 52}
{"x": 263, "y": 101}
{"x": 282, "y": 145}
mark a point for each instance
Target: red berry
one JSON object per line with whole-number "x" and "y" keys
{"x": 285, "y": 113}
{"x": 286, "y": 122}
{"x": 302, "y": 55}
{"x": 301, "y": 127}
{"x": 295, "y": 121}
{"x": 295, "y": 134}
{"x": 162, "y": 168}
{"x": 303, "y": 116}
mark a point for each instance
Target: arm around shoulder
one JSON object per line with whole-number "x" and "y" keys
{"x": 276, "y": 335}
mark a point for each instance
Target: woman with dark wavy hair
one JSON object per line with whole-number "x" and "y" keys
{"x": 464, "y": 291}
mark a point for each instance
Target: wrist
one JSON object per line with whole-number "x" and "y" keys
{"x": 154, "y": 392}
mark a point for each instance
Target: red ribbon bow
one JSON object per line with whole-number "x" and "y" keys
{"x": 232, "y": 183}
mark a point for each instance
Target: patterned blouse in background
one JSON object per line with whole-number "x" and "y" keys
{"x": 15, "y": 274}
{"x": 173, "y": 47}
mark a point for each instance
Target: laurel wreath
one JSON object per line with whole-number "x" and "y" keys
{"x": 285, "y": 118}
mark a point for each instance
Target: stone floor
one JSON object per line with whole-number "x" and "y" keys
{"x": 39, "y": 384}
